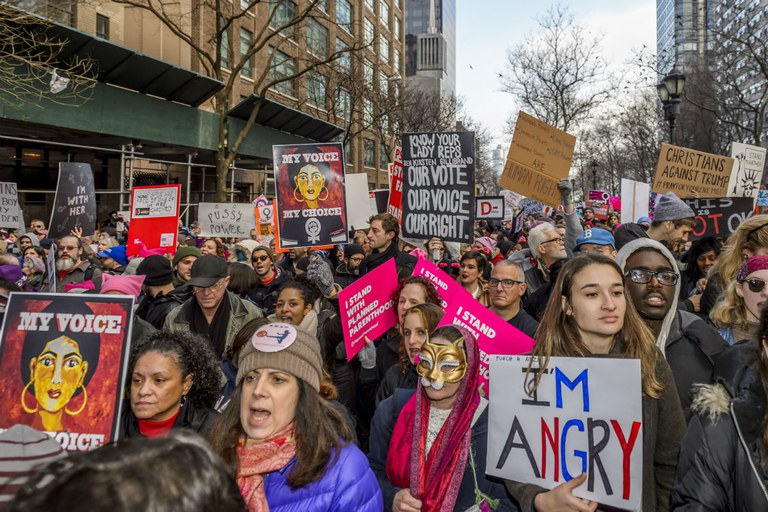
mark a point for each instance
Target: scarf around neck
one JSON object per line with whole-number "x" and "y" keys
{"x": 257, "y": 459}
{"x": 216, "y": 332}
{"x": 376, "y": 259}
{"x": 435, "y": 478}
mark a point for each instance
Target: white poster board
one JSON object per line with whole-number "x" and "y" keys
{"x": 489, "y": 207}
{"x": 634, "y": 200}
{"x": 228, "y": 220}
{"x": 586, "y": 416}
{"x": 511, "y": 200}
{"x": 358, "y": 200}
{"x": 10, "y": 213}
{"x": 747, "y": 173}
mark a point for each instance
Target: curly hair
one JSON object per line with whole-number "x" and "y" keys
{"x": 219, "y": 246}
{"x": 429, "y": 289}
{"x": 194, "y": 356}
{"x": 308, "y": 290}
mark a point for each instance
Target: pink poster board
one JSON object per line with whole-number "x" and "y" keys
{"x": 366, "y": 307}
{"x": 447, "y": 287}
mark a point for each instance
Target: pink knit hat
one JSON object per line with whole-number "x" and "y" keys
{"x": 124, "y": 285}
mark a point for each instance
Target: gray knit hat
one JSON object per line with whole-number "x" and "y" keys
{"x": 283, "y": 347}
{"x": 671, "y": 207}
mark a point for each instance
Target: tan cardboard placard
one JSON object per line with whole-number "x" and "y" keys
{"x": 539, "y": 157}
{"x": 691, "y": 173}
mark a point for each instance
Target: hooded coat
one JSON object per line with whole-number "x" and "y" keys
{"x": 689, "y": 344}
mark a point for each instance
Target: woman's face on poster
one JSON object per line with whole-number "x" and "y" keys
{"x": 57, "y": 373}
{"x": 310, "y": 182}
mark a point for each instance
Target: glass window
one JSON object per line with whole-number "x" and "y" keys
{"x": 384, "y": 14}
{"x": 396, "y": 61}
{"x": 367, "y": 112}
{"x": 383, "y": 84}
{"x": 369, "y": 153}
{"x": 344, "y": 60}
{"x": 369, "y": 34}
{"x": 224, "y": 50}
{"x": 317, "y": 38}
{"x": 344, "y": 14}
{"x": 244, "y": 4}
{"x": 282, "y": 12}
{"x": 102, "y": 26}
{"x": 343, "y": 104}
{"x": 369, "y": 4}
{"x": 246, "y": 39}
{"x": 322, "y": 5}
{"x": 397, "y": 28}
{"x": 384, "y": 48}
{"x": 282, "y": 66}
{"x": 316, "y": 87}
{"x": 368, "y": 72}
{"x": 383, "y": 158}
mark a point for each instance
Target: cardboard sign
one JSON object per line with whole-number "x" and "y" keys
{"x": 74, "y": 205}
{"x": 691, "y": 173}
{"x": 747, "y": 173}
{"x": 10, "y": 213}
{"x": 494, "y": 335}
{"x": 762, "y": 198}
{"x": 395, "y": 204}
{"x": 439, "y": 186}
{"x": 154, "y": 218}
{"x": 366, "y": 308}
{"x": 489, "y": 207}
{"x": 719, "y": 217}
{"x": 585, "y": 416}
{"x": 226, "y": 220}
{"x": 634, "y": 197}
{"x": 358, "y": 209}
{"x": 310, "y": 204}
{"x": 64, "y": 359}
{"x": 539, "y": 157}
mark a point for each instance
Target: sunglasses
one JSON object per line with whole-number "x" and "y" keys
{"x": 260, "y": 258}
{"x": 755, "y": 285}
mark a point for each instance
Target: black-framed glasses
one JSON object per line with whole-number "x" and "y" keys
{"x": 758, "y": 228}
{"x": 755, "y": 285}
{"x": 505, "y": 283}
{"x": 559, "y": 240}
{"x": 643, "y": 276}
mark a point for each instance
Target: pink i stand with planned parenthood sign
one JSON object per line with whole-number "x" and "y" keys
{"x": 366, "y": 307}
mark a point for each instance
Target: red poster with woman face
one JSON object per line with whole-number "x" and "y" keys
{"x": 309, "y": 184}
{"x": 63, "y": 358}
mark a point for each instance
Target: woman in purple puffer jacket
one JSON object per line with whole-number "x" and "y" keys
{"x": 290, "y": 449}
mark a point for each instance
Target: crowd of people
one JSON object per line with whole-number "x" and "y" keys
{"x": 243, "y": 345}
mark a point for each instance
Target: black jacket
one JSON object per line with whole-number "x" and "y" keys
{"x": 191, "y": 417}
{"x": 344, "y": 277}
{"x": 394, "y": 379}
{"x": 265, "y": 296}
{"x": 154, "y": 310}
{"x": 404, "y": 262}
{"x": 720, "y": 463}
{"x": 691, "y": 349}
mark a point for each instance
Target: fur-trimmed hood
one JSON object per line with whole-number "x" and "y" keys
{"x": 710, "y": 400}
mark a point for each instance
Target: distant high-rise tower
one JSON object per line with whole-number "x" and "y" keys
{"x": 682, "y": 34}
{"x": 431, "y": 45}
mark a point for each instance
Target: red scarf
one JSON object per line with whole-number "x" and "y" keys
{"x": 257, "y": 459}
{"x": 157, "y": 428}
{"x": 435, "y": 480}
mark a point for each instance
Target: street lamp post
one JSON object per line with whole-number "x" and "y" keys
{"x": 670, "y": 93}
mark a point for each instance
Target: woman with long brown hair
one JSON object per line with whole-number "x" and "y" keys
{"x": 588, "y": 315}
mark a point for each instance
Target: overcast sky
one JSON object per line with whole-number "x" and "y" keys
{"x": 487, "y": 28}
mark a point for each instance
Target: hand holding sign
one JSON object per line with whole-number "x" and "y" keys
{"x": 562, "y": 498}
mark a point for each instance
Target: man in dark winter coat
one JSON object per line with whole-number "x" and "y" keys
{"x": 383, "y": 237}
{"x": 160, "y": 297}
{"x": 270, "y": 278}
{"x": 689, "y": 343}
{"x": 349, "y": 271}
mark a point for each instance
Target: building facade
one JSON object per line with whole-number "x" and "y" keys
{"x": 431, "y": 45}
{"x": 682, "y": 34}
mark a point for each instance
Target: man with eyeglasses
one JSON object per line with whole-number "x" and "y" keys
{"x": 71, "y": 267}
{"x": 348, "y": 271}
{"x": 213, "y": 311}
{"x": 690, "y": 344}
{"x": 160, "y": 296}
{"x": 38, "y": 228}
{"x": 270, "y": 278}
{"x": 547, "y": 246}
{"x": 506, "y": 288}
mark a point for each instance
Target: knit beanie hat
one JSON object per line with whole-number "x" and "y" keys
{"x": 352, "y": 249}
{"x": 183, "y": 252}
{"x": 23, "y": 452}
{"x": 266, "y": 250}
{"x": 133, "y": 264}
{"x": 753, "y": 264}
{"x": 156, "y": 269}
{"x": 283, "y": 347}
{"x": 37, "y": 263}
{"x": 124, "y": 285}
{"x": 671, "y": 207}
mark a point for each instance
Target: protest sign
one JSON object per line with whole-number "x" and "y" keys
{"x": 64, "y": 359}
{"x": 539, "y": 157}
{"x": 762, "y": 198}
{"x": 10, "y": 213}
{"x": 691, "y": 173}
{"x": 358, "y": 209}
{"x": 74, "y": 205}
{"x": 379, "y": 199}
{"x": 265, "y": 222}
{"x": 310, "y": 204}
{"x": 50, "y": 268}
{"x": 511, "y": 202}
{"x": 154, "y": 218}
{"x": 489, "y": 207}
{"x": 747, "y": 173}
{"x": 227, "y": 220}
{"x": 439, "y": 186}
{"x": 395, "y": 203}
{"x": 366, "y": 308}
{"x": 585, "y": 417}
{"x": 599, "y": 209}
{"x": 719, "y": 217}
{"x": 634, "y": 197}
{"x": 494, "y": 335}
{"x": 599, "y": 195}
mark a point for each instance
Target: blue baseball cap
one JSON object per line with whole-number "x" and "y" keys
{"x": 643, "y": 219}
{"x": 117, "y": 253}
{"x": 595, "y": 236}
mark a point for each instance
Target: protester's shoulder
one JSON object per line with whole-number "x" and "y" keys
{"x": 733, "y": 363}
{"x": 693, "y": 326}
{"x": 240, "y": 305}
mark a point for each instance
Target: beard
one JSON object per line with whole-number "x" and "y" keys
{"x": 65, "y": 263}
